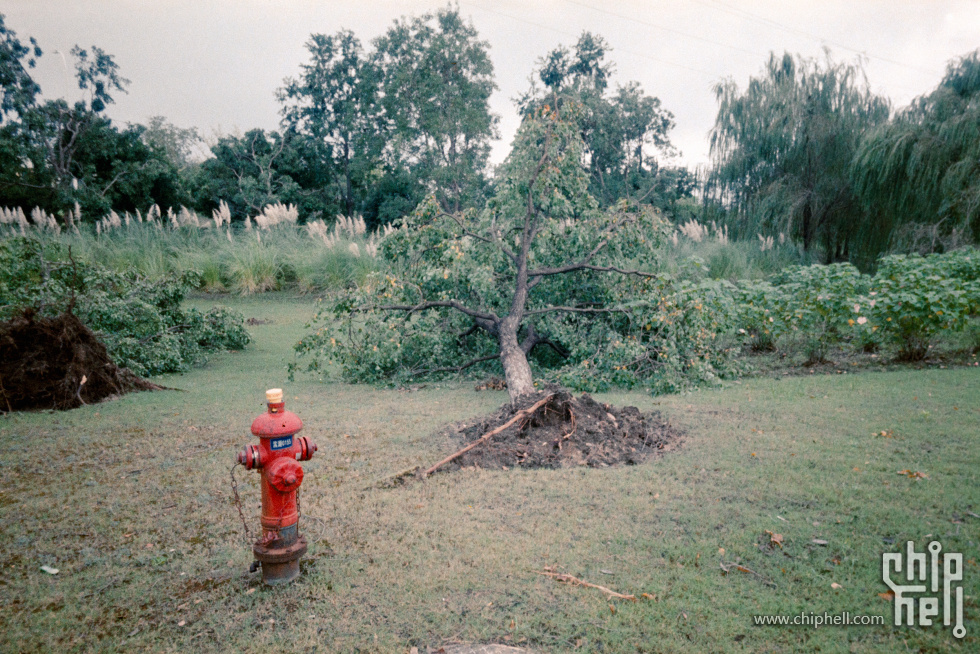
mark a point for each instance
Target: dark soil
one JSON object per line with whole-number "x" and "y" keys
{"x": 57, "y": 363}
{"x": 567, "y": 431}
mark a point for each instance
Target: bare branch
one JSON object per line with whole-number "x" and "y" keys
{"x": 575, "y": 581}
{"x": 534, "y": 339}
{"x": 495, "y": 241}
{"x": 583, "y": 264}
{"x": 520, "y": 415}
{"x": 452, "y": 304}
{"x": 574, "y": 310}
{"x": 471, "y": 330}
{"x": 541, "y": 272}
{"x": 460, "y": 368}
{"x": 115, "y": 179}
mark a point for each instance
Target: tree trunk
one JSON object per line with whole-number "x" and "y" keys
{"x": 807, "y": 219}
{"x": 517, "y": 371}
{"x": 349, "y": 189}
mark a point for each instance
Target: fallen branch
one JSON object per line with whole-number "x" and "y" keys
{"x": 741, "y": 568}
{"x": 490, "y": 434}
{"x": 392, "y": 480}
{"x": 575, "y": 581}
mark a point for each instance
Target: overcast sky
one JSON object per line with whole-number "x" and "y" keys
{"x": 216, "y": 64}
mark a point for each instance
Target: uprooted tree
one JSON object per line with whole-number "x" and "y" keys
{"x": 540, "y": 273}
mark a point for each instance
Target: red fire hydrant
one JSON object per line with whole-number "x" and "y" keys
{"x": 280, "y": 547}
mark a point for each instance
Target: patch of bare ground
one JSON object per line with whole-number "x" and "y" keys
{"x": 553, "y": 429}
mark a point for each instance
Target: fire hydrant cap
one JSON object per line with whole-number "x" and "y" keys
{"x": 271, "y": 425}
{"x": 285, "y": 475}
{"x": 273, "y": 395}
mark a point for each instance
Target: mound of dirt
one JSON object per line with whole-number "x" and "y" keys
{"x": 57, "y": 363}
{"x": 563, "y": 431}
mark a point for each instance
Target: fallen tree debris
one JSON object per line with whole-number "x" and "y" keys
{"x": 390, "y": 481}
{"x": 57, "y": 363}
{"x": 520, "y": 415}
{"x": 725, "y": 569}
{"x": 553, "y": 429}
{"x": 575, "y": 581}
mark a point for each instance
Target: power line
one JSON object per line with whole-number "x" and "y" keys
{"x": 718, "y": 4}
{"x": 668, "y": 29}
{"x": 553, "y": 29}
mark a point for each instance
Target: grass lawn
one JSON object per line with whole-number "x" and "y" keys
{"x": 131, "y": 501}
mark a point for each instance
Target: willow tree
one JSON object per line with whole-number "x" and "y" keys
{"x": 922, "y": 169}
{"x": 540, "y": 270}
{"x": 781, "y": 150}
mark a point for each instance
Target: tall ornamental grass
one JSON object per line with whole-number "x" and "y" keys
{"x": 697, "y": 251}
{"x": 267, "y": 252}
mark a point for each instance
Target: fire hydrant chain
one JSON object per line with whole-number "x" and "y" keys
{"x": 238, "y": 503}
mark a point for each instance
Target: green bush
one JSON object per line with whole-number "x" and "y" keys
{"x": 669, "y": 338}
{"x": 140, "y": 321}
{"x": 906, "y": 304}
{"x": 917, "y": 298}
{"x": 819, "y": 303}
{"x": 759, "y": 305}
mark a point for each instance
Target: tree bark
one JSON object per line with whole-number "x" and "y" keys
{"x": 517, "y": 371}
{"x": 807, "y": 219}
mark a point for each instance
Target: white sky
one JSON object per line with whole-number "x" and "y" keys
{"x": 216, "y": 64}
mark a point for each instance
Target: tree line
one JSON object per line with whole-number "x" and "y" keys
{"x": 364, "y": 130}
{"x": 805, "y": 149}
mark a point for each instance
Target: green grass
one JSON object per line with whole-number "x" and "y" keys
{"x": 131, "y": 500}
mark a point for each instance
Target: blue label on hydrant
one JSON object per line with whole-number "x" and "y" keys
{"x": 281, "y": 443}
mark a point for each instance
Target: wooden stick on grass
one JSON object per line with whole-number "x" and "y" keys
{"x": 490, "y": 434}
{"x": 575, "y": 581}
{"x": 741, "y": 568}
{"x": 391, "y": 480}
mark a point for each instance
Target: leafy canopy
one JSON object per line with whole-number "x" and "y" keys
{"x": 624, "y": 131}
{"x": 334, "y": 103}
{"x": 541, "y": 259}
{"x": 57, "y": 155}
{"x": 17, "y": 88}
{"x": 435, "y": 78}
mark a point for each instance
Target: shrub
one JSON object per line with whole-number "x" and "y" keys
{"x": 140, "y": 321}
{"x": 759, "y": 304}
{"x": 819, "y": 303}
{"x": 917, "y": 297}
